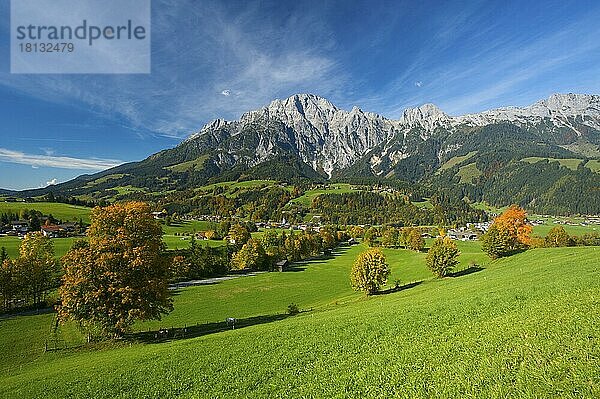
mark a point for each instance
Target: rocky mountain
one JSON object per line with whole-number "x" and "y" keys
{"x": 331, "y": 140}
{"x": 306, "y": 136}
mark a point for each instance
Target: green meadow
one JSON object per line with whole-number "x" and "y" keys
{"x": 309, "y": 195}
{"x": 12, "y": 244}
{"x": 65, "y": 212}
{"x": 574, "y": 230}
{"x": 525, "y": 326}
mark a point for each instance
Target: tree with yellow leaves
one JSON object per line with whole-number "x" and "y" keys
{"x": 370, "y": 271}
{"x": 510, "y": 233}
{"x": 119, "y": 275}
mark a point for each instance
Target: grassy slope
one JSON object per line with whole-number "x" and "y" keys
{"x": 570, "y": 163}
{"x": 308, "y": 196}
{"x": 456, "y": 160}
{"x": 12, "y": 244}
{"x": 594, "y": 165}
{"x": 543, "y": 229}
{"x": 59, "y": 211}
{"x": 526, "y": 326}
{"x": 195, "y": 164}
{"x": 468, "y": 172}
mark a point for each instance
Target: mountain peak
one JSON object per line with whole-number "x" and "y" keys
{"x": 570, "y": 103}
{"x": 301, "y": 102}
{"x": 427, "y": 115}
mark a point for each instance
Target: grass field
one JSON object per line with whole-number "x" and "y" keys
{"x": 456, "y": 160}
{"x": 594, "y": 165}
{"x": 570, "y": 163}
{"x": 525, "y": 327}
{"x": 63, "y": 212}
{"x": 232, "y": 188}
{"x": 12, "y": 244}
{"x": 543, "y": 229}
{"x": 468, "y": 172}
{"x": 307, "y": 197}
{"x": 195, "y": 164}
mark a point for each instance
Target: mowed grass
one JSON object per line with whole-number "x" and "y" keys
{"x": 468, "y": 172}
{"x": 12, "y": 244}
{"x": 456, "y": 160}
{"x": 524, "y": 327}
{"x": 571, "y": 163}
{"x": 189, "y": 227}
{"x": 309, "y": 195}
{"x": 179, "y": 242}
{"x": 574, "y": 230}
{"x": 63, "y": 212}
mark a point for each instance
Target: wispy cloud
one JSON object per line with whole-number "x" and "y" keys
{"x": 186, "y": 88}
{"x": 60, "y": 162}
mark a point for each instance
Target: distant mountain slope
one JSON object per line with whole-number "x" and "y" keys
{"x": 307, "y": 137}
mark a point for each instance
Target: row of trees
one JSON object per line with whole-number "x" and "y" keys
{"x": 392, "y": 237}
{"x": 558, "y": 237}
{"x": 247, "y": 253}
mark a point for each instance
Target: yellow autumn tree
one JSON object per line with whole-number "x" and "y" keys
{"x": 370, "y": 271}
{"x": 119, "y": 275}
{"x": 509, "y": 233}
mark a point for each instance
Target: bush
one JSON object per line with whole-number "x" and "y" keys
{"x": 292, "y": 309}
{"x": 558, "y": 237}
{"x": 370, "y": 271}
{"x": 442, "y": 256}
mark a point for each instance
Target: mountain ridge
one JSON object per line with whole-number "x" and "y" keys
{"x": 308, "y": 137}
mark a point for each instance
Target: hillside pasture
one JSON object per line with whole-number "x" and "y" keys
{"x": 571, "y": 163}
{"x": 64, "y": 212}
{"x": 309, "y": 195}
{"x": 524, "y": 326}
{"x": 12, "y": 244}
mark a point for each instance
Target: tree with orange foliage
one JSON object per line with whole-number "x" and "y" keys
{"x": 119, "y": 275}
{"x": 510, "y": 233}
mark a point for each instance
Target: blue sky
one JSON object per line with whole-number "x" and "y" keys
{"x": 218, "y": 59}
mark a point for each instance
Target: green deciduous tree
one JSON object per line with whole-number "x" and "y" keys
{"x": 442, "y": 256}
{"x": 370, "y": 236}
{"x": 36, "y": 266}
{"x": 251, "y": 256}
{"x": 239, "y": 235}
{"x": 3, "y": 255}
{"x": 414, "y": 240}
{"x": 558, "y": 237}
{"x": 390, "y": 237}
{"x": 370, "y": 271}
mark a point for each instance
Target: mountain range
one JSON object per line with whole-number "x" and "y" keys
{"x": 555, "y": 140}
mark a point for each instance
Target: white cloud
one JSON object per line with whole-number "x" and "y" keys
{"x": 51, "y": 182}
{"x": 187, "y": 89}
{"x": 60, "y": 162}
{"x": 418, "y": 83}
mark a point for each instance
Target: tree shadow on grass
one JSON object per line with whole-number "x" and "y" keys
{"x": 467, "y": 271}
{"x": 167, "y": 334}
{"x": 398, "y": 288}
{"x": 302, "y": 265}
